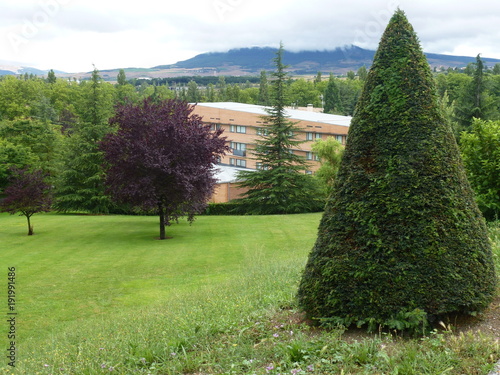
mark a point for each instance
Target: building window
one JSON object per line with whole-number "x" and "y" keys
{"x": 318, "y": 135}
{"x": 237, "y": 129}
{"x": 339, "y": 138}
{"x": 239, "y": 149}
{"x": 215, "y": 127}
{"x": 238, "y": 162}
{"x": 309, "y": 172}
{"x": 312, "y": 156}
{"x": 309, "y": 136}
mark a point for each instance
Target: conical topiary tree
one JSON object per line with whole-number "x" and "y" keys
{"x": 401, "y": 239}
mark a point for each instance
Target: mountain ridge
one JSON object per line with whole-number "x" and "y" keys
{"x": 252, "y": 60}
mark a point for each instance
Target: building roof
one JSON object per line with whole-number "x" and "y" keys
{"x": 293, "y": 114}
{"x": 225, "y": 173}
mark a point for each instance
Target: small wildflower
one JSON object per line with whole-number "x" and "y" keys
{"x": 103, "y": 365}
{"x": 269, "y": 368}
{"x": 173, "y": 354}
{"x": 46, "y": 365}
{"x": 310, "y": 368}
{"x": 276, "y": 335}
{"x": 111, "y": 368}
{"x": 291, "y": 333}
{"x": 295, "y": 371}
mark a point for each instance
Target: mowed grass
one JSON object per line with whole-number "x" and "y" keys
{"x": 78, "y": 266}
{"x": 100, "y": 294}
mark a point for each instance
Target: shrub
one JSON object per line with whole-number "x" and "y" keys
{"x": 401, "y": 231}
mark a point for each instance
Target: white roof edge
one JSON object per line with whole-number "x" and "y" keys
{"x": 294, "y": 114}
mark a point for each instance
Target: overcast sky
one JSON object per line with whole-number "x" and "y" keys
{"x": 71, "y": 35}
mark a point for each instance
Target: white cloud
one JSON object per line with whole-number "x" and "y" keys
{"x": 72, "y": 34}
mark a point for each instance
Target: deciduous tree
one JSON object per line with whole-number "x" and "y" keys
{"x": 481, "y": 154}
{"x": 329, "y": 151}
{"x": 162, "y": 159}
{"x": 27, "y": 194}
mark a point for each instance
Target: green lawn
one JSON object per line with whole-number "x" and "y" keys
{"x": 100, "y": 294}
{"x": 77, "y": 266}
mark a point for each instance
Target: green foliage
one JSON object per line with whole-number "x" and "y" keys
{"x": 80, "y": 184}
{"x": 350, "y": 91}
{"x": 481, "y": 155}
{"x": 42, "y": 139}
{"x": 401, "y": 230}
{"x": 17, "y": 97}
{"x": 13, "y": 155}
{"x": 330, "y": 152}
{"x": 51, "y": 77}
{"x": 302, "y": 93}
{"x": 96, "y": 101}
{"x": 333, "y": 104}
{"x": 227, "y": 208}
{"x": 362, "y": 73}
{"x": 475, "y": 101}
{"x": 121, "y": 78}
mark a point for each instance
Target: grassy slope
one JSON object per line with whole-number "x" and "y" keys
{"x": 98, "y": 294}
{"x": 76, "y": 267}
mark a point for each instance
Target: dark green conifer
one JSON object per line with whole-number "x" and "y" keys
{"x": 401, "y": 239}
{"x": 279, "y": 186}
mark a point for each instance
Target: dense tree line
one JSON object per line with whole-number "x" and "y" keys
{"x": 54, "y": 124}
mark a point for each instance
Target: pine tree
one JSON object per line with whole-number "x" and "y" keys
{"x": 475, "y": 101}
{"x": 121, "y": 78}
{"x": 279, "y": 186}
{"x": 80, "y": 186}
{"x": 401, "y": 239}
{"x": 263, "y": 89}
{"x": 51, "y": 76}
{"x": 333, "y": 103}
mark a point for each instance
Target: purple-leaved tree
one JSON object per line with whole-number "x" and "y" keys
{"x": 162, "y": 159}
{"x": 27, "y": 193}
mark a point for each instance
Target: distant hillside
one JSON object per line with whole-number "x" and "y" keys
{"x": 251, "y": 61}
{"x": 15, "y": 68}
{"x": 339, "y": 60}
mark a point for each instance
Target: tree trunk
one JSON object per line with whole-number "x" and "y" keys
{"x": 162, "y": 221}
{"x": 30, "y": 227}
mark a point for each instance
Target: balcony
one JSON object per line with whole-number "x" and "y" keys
{"x": 239, "y": 152}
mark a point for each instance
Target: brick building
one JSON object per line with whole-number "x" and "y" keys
{"x": 244, "y": 123}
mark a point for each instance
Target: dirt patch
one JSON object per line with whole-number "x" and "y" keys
{"x": 488, "y": 323}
